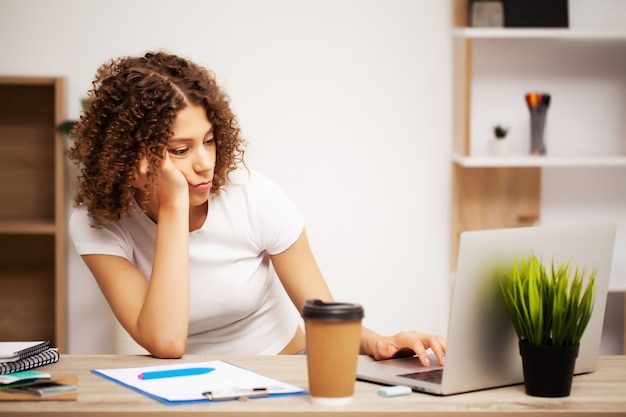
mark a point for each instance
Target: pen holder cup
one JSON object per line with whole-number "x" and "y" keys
{"x": 333, "y": 335}
{"x": 538, "y": 104}
{"x": 537, "y": 127}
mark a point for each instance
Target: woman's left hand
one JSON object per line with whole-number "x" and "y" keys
{"x": 386, "y": 347}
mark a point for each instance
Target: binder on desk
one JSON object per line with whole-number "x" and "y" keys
{"x": 225, "y": 382}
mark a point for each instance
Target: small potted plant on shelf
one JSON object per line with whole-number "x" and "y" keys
{"x": 500, "y": 132}
{"x": 550, "y": 309}
{"x": 498, "y": 145}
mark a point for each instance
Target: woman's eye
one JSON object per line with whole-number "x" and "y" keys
{"x": 179, "y": 151}
{"x": 209, "y": 141}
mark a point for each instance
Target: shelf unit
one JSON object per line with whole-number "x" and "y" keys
{"x": 486, "y": 192}
{"x": 531, "y": 161}
{"x": 32, "y": 214}
{"x": 538, "y": 33}
{"x": 494, "y": 192}
{"x": 506, "y": 191}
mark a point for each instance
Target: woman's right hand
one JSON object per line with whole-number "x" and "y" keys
{"x": 171, "y": 185}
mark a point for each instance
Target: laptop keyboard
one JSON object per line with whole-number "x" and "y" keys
{"x": 433, "y": 376}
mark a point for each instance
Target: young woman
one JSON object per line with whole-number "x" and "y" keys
{"x": 194, "y": 252}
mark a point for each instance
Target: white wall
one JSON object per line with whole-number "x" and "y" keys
{"x": 346, "y": 103}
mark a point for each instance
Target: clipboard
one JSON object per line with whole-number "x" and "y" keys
{"x": 226, "y": 382}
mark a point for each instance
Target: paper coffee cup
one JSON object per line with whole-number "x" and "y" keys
{"x": 333, "y": 337}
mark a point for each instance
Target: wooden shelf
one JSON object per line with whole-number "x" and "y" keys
{"x": 27, "y": 227}
{"x": 32, "y": 213}
{"x": 538, "y": 161}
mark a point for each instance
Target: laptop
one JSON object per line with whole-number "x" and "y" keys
{"x": 482, "y": 346}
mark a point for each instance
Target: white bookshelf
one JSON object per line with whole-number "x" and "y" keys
{"x": 513, "y": 33}
{"x": 582, "y": 176}
{"x": 539, "y": 161}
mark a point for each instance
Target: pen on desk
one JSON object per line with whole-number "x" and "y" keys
{"x": 236, "y": 394}
{"x": 174, "y": 373}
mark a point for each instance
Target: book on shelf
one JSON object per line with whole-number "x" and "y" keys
{"x": 51, "y": 355}
{"x": 14, "y": 351}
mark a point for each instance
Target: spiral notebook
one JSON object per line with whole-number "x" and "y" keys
{"x": 46, "y": 357}
{"x": 14, "y": 351}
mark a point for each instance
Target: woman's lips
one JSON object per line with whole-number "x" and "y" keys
{"x": 204, "y": 186}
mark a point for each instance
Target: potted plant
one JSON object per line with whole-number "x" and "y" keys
{"x": 550, "y": 309}
{"x": 500, "y": 132}
{"x": 498, "y": 145}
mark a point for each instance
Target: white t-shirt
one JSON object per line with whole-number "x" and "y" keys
{"x": 238, "y": 304}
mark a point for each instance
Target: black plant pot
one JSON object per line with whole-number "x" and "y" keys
{"x": 548, "y": 370}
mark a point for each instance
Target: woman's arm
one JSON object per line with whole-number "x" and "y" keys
{"x": 303, "y": 280}
{"x": 298, "y": 271}
{"x": 155, "y": 312}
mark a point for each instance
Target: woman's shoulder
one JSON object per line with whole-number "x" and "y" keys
{"x": 79, "y": 218}
{"x": 246, "y": 177}
{"x": 80, "y": 222}
{"x": 251, "y": 181}
{"x": 257, "y": 191}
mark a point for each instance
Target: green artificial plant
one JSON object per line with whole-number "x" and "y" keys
{"x": 67, "y": 125}
{"x": 546, "y": 308}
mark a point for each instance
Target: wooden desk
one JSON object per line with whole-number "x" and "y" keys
{"x": 599, "y": 393}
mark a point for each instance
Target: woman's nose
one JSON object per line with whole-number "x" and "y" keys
{"x": 205, "y": 159}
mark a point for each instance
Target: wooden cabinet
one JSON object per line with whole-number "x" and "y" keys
{"x": 32, "y": 211}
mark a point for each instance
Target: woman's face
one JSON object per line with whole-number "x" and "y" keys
{"x": 192, "y": 150}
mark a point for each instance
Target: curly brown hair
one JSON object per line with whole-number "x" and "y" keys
{"x": 131, "y": 108}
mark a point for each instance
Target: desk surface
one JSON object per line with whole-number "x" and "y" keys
{"x": 602, "y": 392}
